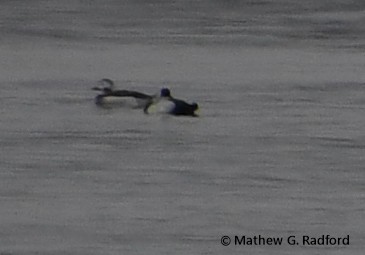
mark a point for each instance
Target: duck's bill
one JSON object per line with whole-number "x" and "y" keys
{"x": 97, "y": 89}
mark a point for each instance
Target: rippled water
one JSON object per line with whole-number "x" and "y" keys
{"x": 278, "y": 149}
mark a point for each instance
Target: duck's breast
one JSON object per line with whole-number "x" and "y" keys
{"x": 161, "y": 107}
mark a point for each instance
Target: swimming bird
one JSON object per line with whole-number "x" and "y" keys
{"x": 110, "y": 96}
{"x": 170, "y": 105}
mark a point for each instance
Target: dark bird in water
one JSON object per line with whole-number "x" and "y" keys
{"x": 111, "y": 96}
{"x": 170, "y": 105}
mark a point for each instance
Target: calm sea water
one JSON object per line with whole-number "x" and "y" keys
{"x": 278, "y": 149}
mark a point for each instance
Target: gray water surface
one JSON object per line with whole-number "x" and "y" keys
{"x": 278, "y": 149}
